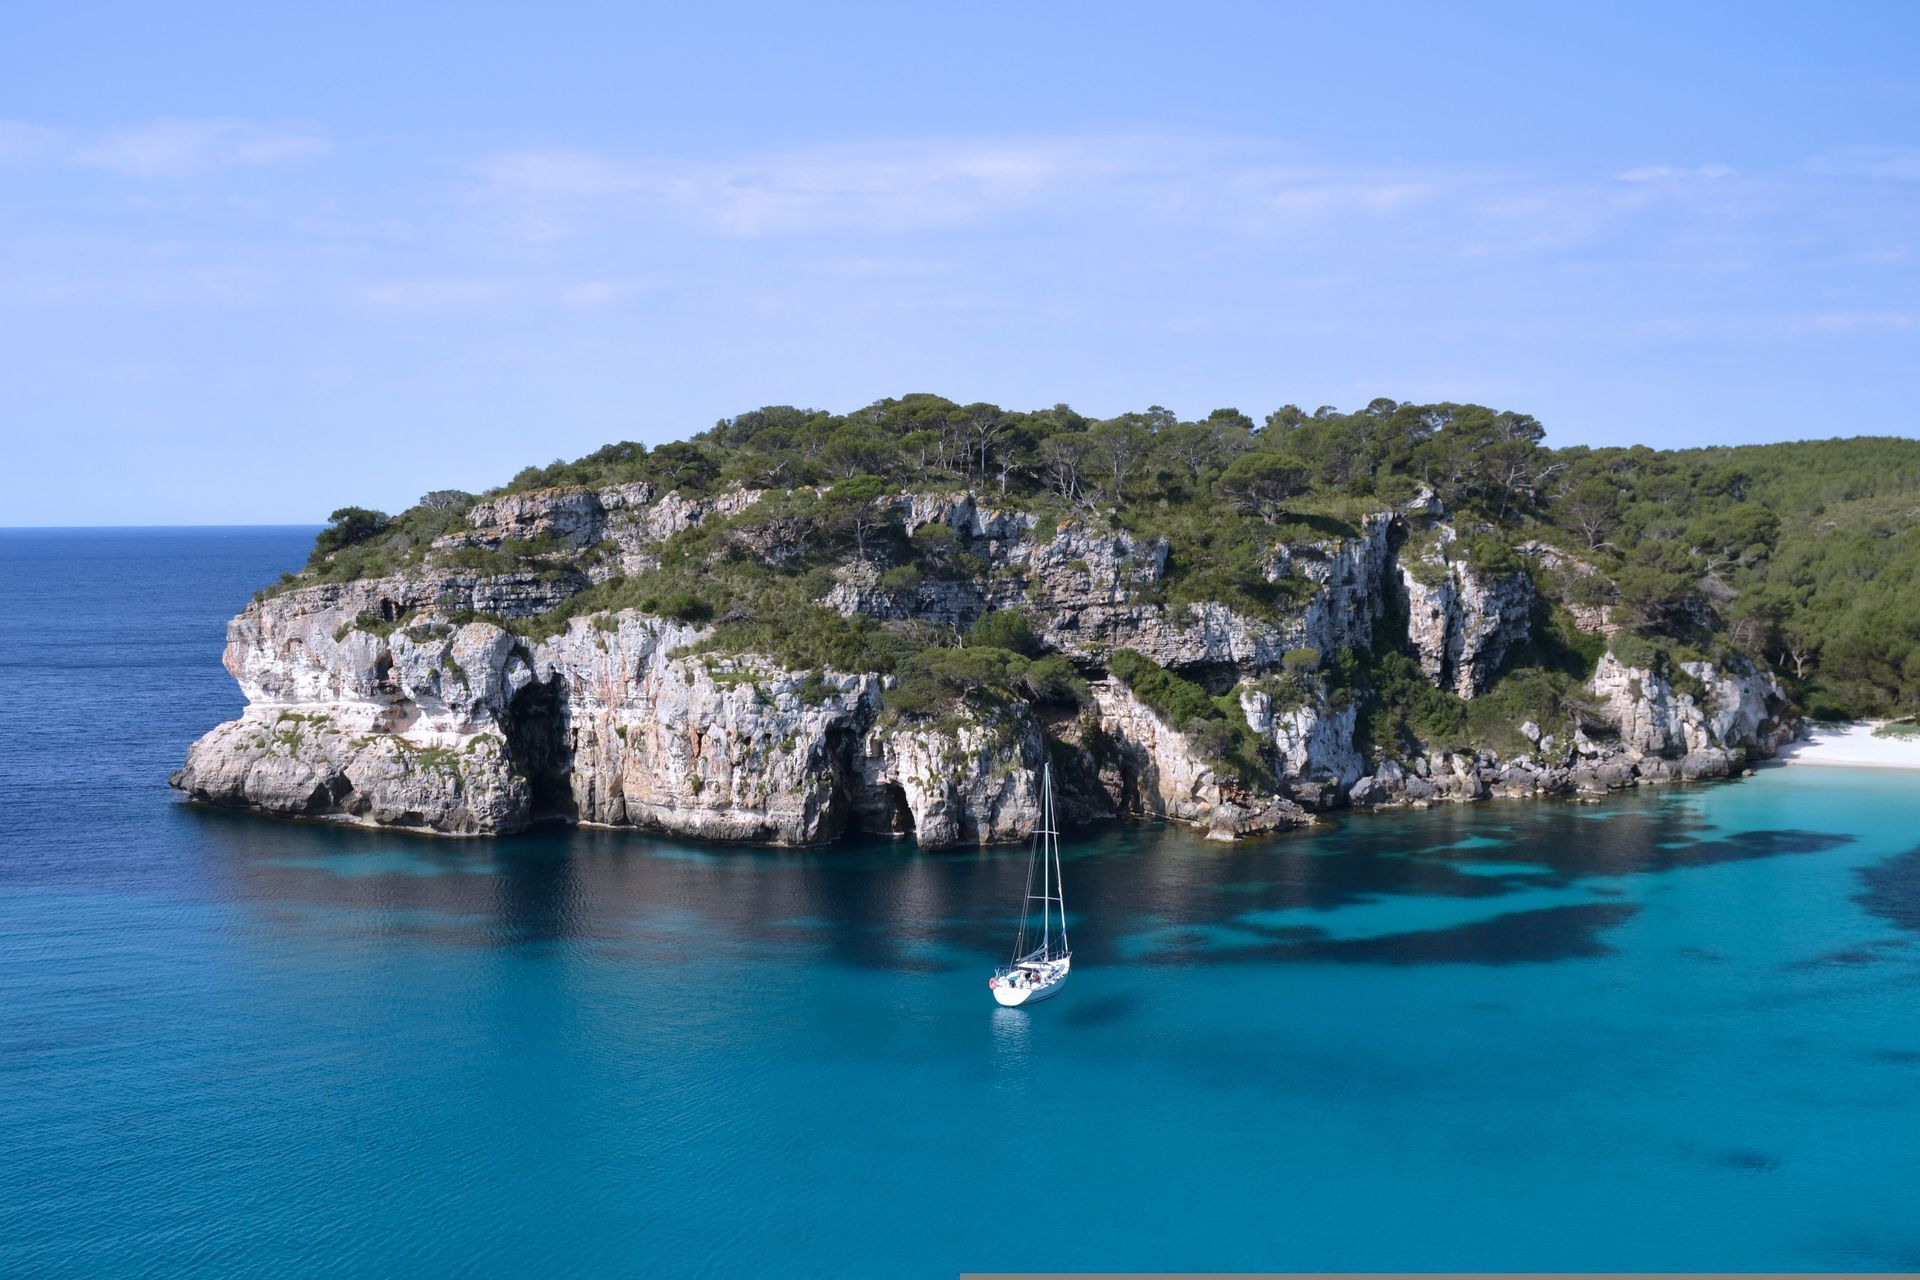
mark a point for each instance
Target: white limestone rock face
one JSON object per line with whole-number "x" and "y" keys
{"x": 401, "y": 730}
{"x": 1350, "y": 578}
{"x": 1461, "y": 625}
{"x": 715, "y": 748}
{"x": 571, "y": 515}
{"x": 1167, "y": 777}
{"x": 1744, "y": 707}
{"x": 1649, "y": 718}
{"x": 1741, "y": 715}
{"x": 974, "y": 784}
{"x": 966, "y": 515}
{"x": 1594, "y": 618}
{"x": 472, "y": 789}
{"x": 398, "y": 730}
{"x": 1314, "y": 751}
{"x": 626, "y": 521}
{"x": 468, "y": 730}
{"x": 954, "y": 603}
{"x": 1091, "y": 590}
{"x": 639, "y": 520}
{"x": 1089, "y": 587}
{"x": 239, "y": 765}
{"x": 1643, "y": 731}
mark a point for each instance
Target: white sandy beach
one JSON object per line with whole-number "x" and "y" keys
{"x": 1852, "y": 746}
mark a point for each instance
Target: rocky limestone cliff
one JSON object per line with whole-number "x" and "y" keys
{"x": 405, "y": 731}
{"x": 1461, "y": 623}
{"x": 466, "y": 730}
{"x": 1091, "y": 590}
{"x": 627, "y": 520}
{"x": 619, "y": 731}
{"x": 370, "y": 702}
{"x": 1663, "y": 732}
{"x": 1168, "y": 777}
{"x": 1638, "y": 730}
{"x": 976, "y": 783}
{"x": 1313, "y": 743}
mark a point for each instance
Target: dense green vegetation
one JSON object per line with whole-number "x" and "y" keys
{"x": 1402, "y": 713}
{"x": 360, "y": 543}
{"x": 1802, "y": 556}
{"x": 1806, "y": 554}
{"x": 999, "y": 661}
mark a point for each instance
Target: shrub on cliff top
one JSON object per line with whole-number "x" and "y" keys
{"x": 345, "y": 527}
{"x": 1005, "y": 629}
{"x": 1260, "y": 482}
{"x": 1489, "y": 555}
{"x": 1055, "y": 679}
{"x": 681, "y": 606}
{"x": 1173, "y": 698}
{"x": 810, "y": 638}
{"x": 933, "y": 681}
{"x": 933, "y": 678}
{"x": 1298, "y": 661}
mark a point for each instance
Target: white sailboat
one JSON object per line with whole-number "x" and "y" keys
{"x": 1036, "y": 973}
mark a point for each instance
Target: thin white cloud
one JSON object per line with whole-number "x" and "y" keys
{"x": 586, "y": 295}
{"x": 163, "y": 148}
{"x": 1303, "y": 191}
{"x": 1774, "y": 324}
{"x": 1673, "y": 173}
{"x": 902, "y": 187}
{"x": 183, "y": 148}
{"x": 1044, "y": 220}
{"x": 873, "y": 187}
{"x": 558, "y": 174}
{"x": 1860, "y": 322}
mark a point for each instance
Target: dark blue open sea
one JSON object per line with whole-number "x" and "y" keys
{"x": 1679, "y": 1030}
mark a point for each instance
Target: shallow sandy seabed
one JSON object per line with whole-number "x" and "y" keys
{"x": 1852, "y": 746}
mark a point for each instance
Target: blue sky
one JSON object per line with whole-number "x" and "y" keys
{"x": 260, "y": 261}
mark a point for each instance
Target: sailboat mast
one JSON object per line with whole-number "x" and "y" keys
{"x": 1046, "y": 825}
{"x": 1059, "y": 887}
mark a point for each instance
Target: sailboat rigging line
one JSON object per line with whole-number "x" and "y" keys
{"x": 1046, "y": 925}
{"x": 1026, "y": 906}
{"x": 1038, "y": 973}
{"x": 1059, "y": 887}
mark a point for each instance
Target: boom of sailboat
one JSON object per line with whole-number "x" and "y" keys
{"x": 1039, "y": 971}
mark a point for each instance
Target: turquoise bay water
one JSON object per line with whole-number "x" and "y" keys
{"x": 1677, "y": 1030}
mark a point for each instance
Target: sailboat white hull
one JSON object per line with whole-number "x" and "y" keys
{"x": 1026, "y": 985}
{"x": 1013, "y": 997}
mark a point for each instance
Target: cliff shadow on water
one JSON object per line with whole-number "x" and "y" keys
{"x": 1488, "y": 886}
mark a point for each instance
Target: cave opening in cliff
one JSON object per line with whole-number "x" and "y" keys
{"x": 389, "y": 611}
{"x": 539, "y": 744}
{"x": 383, "y": 677}
{"x": 899, "y": 813}
{"x": 1215, "y": 677}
